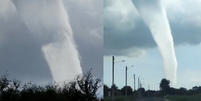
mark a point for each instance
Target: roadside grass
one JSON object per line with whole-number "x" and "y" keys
{"x": 184, "y": 98}
{"x": 120, "y": 98}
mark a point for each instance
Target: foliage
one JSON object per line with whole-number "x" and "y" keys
{"x": 117, "y": 91}
{"x": 180, "y": 94}
{"x": 106, "y": 90}
{"x": 165, "y": 86}
{"x": 83, "y": 88}
{"x": 129, "y": 90}
{"x": 141, "y": 90}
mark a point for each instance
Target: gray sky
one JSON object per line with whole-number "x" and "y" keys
{"x": 127, "y": 37}
{"x": 22, "y": 57}
{"x": 123, "y": 24}
{"x": 86, "y": 19}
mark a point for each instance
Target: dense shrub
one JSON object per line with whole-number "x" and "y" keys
{"x": 83, "y": 88}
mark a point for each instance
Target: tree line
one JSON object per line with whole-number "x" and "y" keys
{"x": 83, "y": 88}
{"x": 165, "y": 89}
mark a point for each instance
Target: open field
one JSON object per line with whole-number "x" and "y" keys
{"x": 170, "y": 98}
{"x": 120, "y": 98}
{"x": 185, "y": 98}
{"x": 131, "y": 98}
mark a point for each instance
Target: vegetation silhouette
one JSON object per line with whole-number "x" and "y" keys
{"x": 165, "y": 89}
{"x": 83, "y": 88}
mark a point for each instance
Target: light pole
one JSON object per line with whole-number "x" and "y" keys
{"x": 148, "y": 90}
{"x": 138, "y": 86}
{"x": 142, "y": 82}
{"x": 113, "y": 75}
{"x": 141, "y": 87}
{"x": 112, "y": 78}
{"x": 139, "y": 82}
{"x": 126, "y": 79}
{"x": 126, "y": 82}
{"x": 134, "y": 81}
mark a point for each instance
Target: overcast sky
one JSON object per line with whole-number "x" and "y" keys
{"x": 128, "y": 38}
{"x": 86, "y": 18}
{"x": 22, "y": 57}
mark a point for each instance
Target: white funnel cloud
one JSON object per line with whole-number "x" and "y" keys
{"x": 49, "y": 25}
{"x": 7, "y": 8}
{"x": 154, "y": 15}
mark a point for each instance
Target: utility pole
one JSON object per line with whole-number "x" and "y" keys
{"x": 138, "y": 83}
{"x": 134, "y": 81}
{"x": 126, "y": 81}
{"x": 112, "y": 78}
{"x": 140, "y": 89}
{"x": 138, "y": 86}
{"x": 148, "y": 90}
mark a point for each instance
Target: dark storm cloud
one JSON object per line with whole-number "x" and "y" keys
{"x": 123, "y": 42}
{"x": 138, "y": 37}
{"x": 185, "y": 33}
{"x": 22, "y": 57}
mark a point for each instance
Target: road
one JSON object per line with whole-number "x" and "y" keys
{"x": 152, "y": 99}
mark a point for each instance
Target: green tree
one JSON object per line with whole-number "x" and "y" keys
{"x": 182, "y": 91}
{"x": 141, "y": 91}
{"x": 116, "y": 90}
{"x": 115, "y": 87}
{"x": 165, "y": 86}
{"x": 129, "y": 90}
{"x": 88, "y": 85}
{"x": 106, "y": 90}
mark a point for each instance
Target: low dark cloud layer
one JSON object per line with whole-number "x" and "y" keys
{"x": 129, "y": 34}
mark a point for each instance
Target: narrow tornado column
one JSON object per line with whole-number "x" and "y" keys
{"x": 154, "y": 15}
{"x": 48, "y": 22}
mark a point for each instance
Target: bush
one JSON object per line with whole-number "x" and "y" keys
{"x": 83, "y": 88}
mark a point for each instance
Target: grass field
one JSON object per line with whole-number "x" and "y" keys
{"x": 120, "y": 98}
{"x": 184, "y": 98}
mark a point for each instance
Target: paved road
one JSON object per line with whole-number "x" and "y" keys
{"x": 152, "y": 99}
